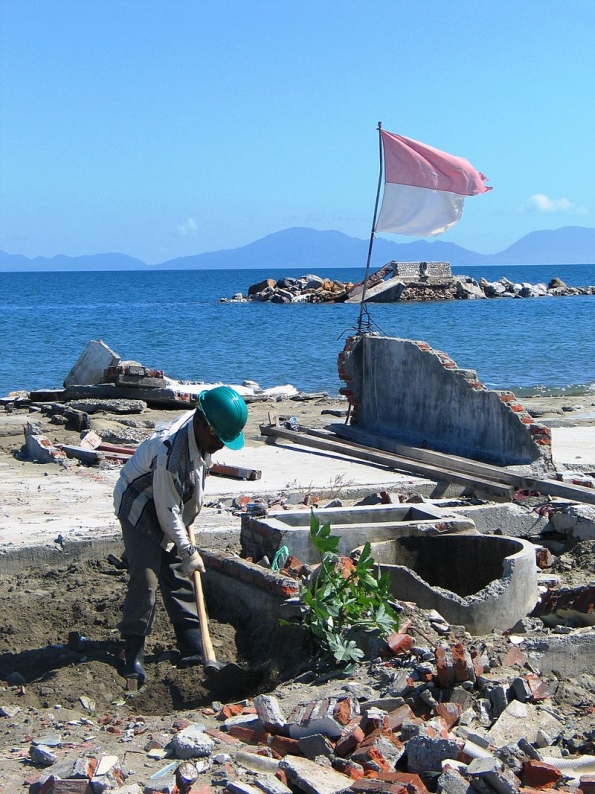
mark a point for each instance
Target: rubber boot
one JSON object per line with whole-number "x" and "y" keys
{"x": 134, "y": 655}
{"x": 189, "y": 645}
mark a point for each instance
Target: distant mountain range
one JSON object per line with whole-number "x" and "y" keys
{"x": 315, "y": 251}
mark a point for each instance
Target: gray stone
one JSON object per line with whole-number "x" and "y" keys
{"x": 41, "y": 755}
{"x": 237, "y": 787}
{"x": 311, "y": 778}
{"x": 191, "y": 742}
{"x": 498, "y": 699}
{"x": 521, "y": 689}
{"x": 452, "y": 782}
{"x": 575, "y": 520}
{"x": 492, "y": 771}
{"x": 425, "y": 754}
{"x": 316, "y": 745}
{"x": 271, "y": 785}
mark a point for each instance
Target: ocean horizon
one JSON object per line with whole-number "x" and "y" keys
{"x": 175, "y": 321}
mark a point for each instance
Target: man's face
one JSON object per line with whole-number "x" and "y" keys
{"x": 206, "y": 438}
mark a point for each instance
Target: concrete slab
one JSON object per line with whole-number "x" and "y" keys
{"x": 43, "y": 506}
{"x": 573, "y": 447}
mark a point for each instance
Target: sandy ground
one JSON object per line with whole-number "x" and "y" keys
{"x": 58, "y": 618}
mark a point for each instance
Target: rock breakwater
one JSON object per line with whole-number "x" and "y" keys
{"x": 379, "y": 289}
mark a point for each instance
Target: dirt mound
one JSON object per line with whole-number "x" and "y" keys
{"x": 59, "y": 639}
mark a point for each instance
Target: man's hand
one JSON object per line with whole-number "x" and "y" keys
{"x": 192, "y": 563}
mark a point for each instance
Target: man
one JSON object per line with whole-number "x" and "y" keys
{"x": 158, "y": 495}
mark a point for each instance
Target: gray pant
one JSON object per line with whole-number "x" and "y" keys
{"x": 151, "y": 566}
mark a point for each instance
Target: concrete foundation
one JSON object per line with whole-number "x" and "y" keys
{"x": 403, "y": 390}
{"x": 483, "y": 583}
{"x": 264, "y": 536}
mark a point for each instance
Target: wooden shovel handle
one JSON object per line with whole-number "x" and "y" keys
{"x": 203, "y": 619}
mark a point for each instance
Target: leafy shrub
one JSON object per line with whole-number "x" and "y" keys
{"x": 344, "y": 600}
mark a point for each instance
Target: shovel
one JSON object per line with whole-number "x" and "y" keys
{"x": 227, "y": 675}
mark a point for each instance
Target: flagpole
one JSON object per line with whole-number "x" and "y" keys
{"x": 362, "y": 302}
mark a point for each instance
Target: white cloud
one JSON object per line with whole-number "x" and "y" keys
{"x": 188, "y": 227}
{"x": 542, "y": 203}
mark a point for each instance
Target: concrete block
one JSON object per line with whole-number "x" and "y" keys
{"x": 269, "y": 713}
{"x": 520, "y": 720}
{"x": 271, "y": 785}
{"x": 39, "y": 448}
{"x": 576, "y": 520}
{"x": 91, "y": 364}
{"x": 312, "y": 778}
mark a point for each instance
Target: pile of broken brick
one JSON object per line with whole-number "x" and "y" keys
{"x": 446, "y": 720}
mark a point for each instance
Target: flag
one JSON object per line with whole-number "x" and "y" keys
{"x": 424, "y": 188}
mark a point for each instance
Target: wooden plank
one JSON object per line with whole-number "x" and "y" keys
{"x": 358, "y": 437}
{"x": 496, "y": 490}
{"x": 546, "y": 486}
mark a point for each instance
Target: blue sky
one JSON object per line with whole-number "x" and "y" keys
{"x": 165, "y": 128}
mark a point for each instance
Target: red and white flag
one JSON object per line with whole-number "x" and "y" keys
{"x": 424, "y": 188}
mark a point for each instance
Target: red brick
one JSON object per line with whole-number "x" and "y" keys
{"x": 539, "y": 775}
{"x": 587, "y": 784}
{"x": 444, "y": 666}
{"x": 342, "y": 711}
{"x": 221, "y": 736}
{"x": 515, "y": 657}
{"x": 371, "y": 758}
{"x": 450, "y": 713}
{"x": 181, "y": 723}
{"x": 349, "y": 741}
{"x": 248, "y": 735}
{"x": 400, "y": 643}
{"x": 463, "y": 666}
{"x": 350, "y": 768}
{"x": 283, "y": 745}
{"x": 397, "y": 717}
{"x": 539, "y": 689}
{"x": 411, "y": 782}
{"x": 231, "y": 710}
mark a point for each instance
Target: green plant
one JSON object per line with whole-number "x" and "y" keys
{"x": 344, "y": 600}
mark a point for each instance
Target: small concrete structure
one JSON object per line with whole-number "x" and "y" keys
{"x": 91, "y": 364}
{"x": 404, "y": 390}
{"x": 414, "y": 271}
{"x": 483, "y": 583}
{"x": 264, "y": 536}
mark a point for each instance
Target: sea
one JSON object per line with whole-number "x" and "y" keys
{"x": 175, "y": 321}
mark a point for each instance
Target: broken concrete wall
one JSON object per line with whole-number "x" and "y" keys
{"x": 404, "y": 390}
{"x": 91, "y": 364}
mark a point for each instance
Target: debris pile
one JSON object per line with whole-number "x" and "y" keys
{"x": 446, "y": 716}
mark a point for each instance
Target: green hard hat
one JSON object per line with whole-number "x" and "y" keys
{"x": 226, "y": 412}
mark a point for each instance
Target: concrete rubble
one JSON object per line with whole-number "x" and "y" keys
{"x": 401, "y": 281}
{"x": 463, "y": 718}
